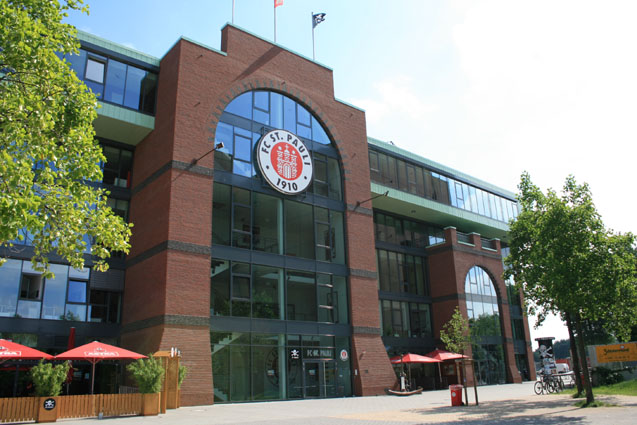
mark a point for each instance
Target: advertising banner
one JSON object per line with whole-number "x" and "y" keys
{"x": 616, "y": 353}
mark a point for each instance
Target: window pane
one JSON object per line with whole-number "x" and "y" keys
{"x": 221, "y": 208}
{"x": 289, "y": 114}
{"x": 303, "y": 115}
{"x": 134, "y": 80}
{"x": 276, "y": 110}
{"x": 75, "y": 312}
{"x": 318, "y": 134}
{"x": 55, "y": 293}
{"x": 77, "y": 292}
{"x": 262, "y": 100}
{"x": 338, "y": 237}
{"x": 299, "y": 240}
{"x": 220, "y": 288}
{"x": 10, "y": 274}
{"x": 115, "y": 81}
{"x": 340, "y": 299}
{"x": 267, "y": 282}
{"x": 268, "y": 216}
{"x": 94, "y": 71}
{"x": 301, "y": 296}
{"x": 241, "y": 105}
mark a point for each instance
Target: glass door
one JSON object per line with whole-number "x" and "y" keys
{"x": 311, "y": 379}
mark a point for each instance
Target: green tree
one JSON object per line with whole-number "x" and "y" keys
{"x": 148, "y": 373}
{"x": 569, "y": 264}
{"x": 455, "y": 334}
{"x": 48, "y": 379}
{"x": 48, "y": 153}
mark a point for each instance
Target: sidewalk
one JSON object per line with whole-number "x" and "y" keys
{"x": 499, "y": 404}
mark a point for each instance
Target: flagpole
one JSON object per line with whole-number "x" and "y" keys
{"x": 232, "y": 12}
{"x": 274, "y": 21}
{"x": 313, "y": 52}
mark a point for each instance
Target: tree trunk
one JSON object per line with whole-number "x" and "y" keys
{"x": 577, "y": 369}
{"x": 582, "y": 353}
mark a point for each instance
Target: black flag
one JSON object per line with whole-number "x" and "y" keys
{"x": 317, "y": 19}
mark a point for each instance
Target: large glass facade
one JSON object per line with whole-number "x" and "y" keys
{"x": 257, "y": 366}
{"x": 413, "y": 178}
{"x": 114, "y": 81}
{"x": 278, "y": 263}
{"x": 26, "y": 293}
{"x": 484, "y": 321}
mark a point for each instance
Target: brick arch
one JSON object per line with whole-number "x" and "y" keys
{"x": 494, "y": 280}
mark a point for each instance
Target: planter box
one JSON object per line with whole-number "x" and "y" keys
{"x": 150, "y": 404}
{"x": 47, "y": 409}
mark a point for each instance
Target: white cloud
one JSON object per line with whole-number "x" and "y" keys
{"x": 394, "y": 100}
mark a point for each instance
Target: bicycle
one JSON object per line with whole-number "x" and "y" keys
{"x": 547, "y": 384}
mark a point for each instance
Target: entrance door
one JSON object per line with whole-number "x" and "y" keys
{"x": 319, "y": 379}
{"x": 311, "y": 379}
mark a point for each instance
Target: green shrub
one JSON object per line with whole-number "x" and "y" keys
{"x": 48, "y": 379}
{"x": 149, "y": 374}
{"x": 606, "y": 376}
{"x": 183, "y": 371}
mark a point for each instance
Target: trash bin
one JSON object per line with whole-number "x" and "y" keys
{"x": 456, "y": 395}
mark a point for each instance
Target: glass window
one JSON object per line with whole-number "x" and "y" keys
{"x": 77, "y": 292}
{"x": 241, "y": 106}
{"x": 220, "y": 288}
{"x": 95, "y": 71}
{"x": 299, "y": 223}
{"x": 301, "y": 296}
{"x": 10, "y": 287}
{"x": 267, "y": 221}
{"x": 221, "y": 214}
{"x": 55, "y": 293}
{"x": 266, "y": 292}
{"x": 115, "y": 82}
{"x": 31, "y": 287}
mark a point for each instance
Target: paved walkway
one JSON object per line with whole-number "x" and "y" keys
{"x": 500, "y": 404}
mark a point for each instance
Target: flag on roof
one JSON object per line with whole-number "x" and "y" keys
{"x": 317, "y": 18}
{"x": 278, "y": 3}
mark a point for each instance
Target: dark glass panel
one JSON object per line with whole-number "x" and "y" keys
{"x": 276, "y": 110}
{"x": 221, "y": 371}
{"x": 299, "y": 240}
{"x": 402, "y": 176}
{"x": 301, "y": 296}
{"x": 267, "y": 218}
{"x": 148, "y": 93}
{"x": 340, "y": 299}
{"x": 334, "y": 179}
{"x": 242, "y": 148}
{"x": 221, "y": 207}
{"x": 289, "y": 114}
{"x": 265, "y": 373}
{"x": 383, "y": 263}
{"x": 386, "y": 314}
{"x": 266, "y": 282}
{"x": 338, "y": 237}
{"x": 394, "y": 283}
{"x": 220, "y": 288}
{"x": 240, "y": 372}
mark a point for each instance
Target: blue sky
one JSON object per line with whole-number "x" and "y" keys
{"x": 488, "y": 87}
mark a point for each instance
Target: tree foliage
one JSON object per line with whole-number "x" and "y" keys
{"x": 148, "y": 373}
{"x": 455, "y": 334}
{"x": 48, "y": 379}
{"x": 568, "y": 263}
{"x": 48, "y": 154}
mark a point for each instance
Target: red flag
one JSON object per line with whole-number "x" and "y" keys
{"x": 278, "y": 3}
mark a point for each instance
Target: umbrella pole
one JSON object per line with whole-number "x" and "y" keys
{"x": 93, "y": 377}
{"x": 15, "y": 379}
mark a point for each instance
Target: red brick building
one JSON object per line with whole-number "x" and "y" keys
{"x": 270, "y": 291}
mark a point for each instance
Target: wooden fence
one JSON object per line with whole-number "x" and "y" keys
{"x": 18, "y": 409}
{"x": 21, "y": 409}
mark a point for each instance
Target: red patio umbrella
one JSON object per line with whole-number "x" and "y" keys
{"x": 14, "y": 351}
{"x": 410, "y": 358}
{"x": 413, "y": 358}
{"x": 95, "y": 351}
{"x": 443, "y": 355}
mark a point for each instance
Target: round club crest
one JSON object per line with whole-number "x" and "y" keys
{"x": 285, "y": 162}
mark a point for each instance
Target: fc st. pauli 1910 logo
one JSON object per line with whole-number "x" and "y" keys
{"x": 285, "y": 162}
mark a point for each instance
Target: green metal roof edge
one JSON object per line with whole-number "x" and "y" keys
{"x": 276, "y": 44}
{"x": 438, "y": 206}
{"x": 452, "y": 172}
{"x": 110, "y": 45}
{"x": 127, "y": 115}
